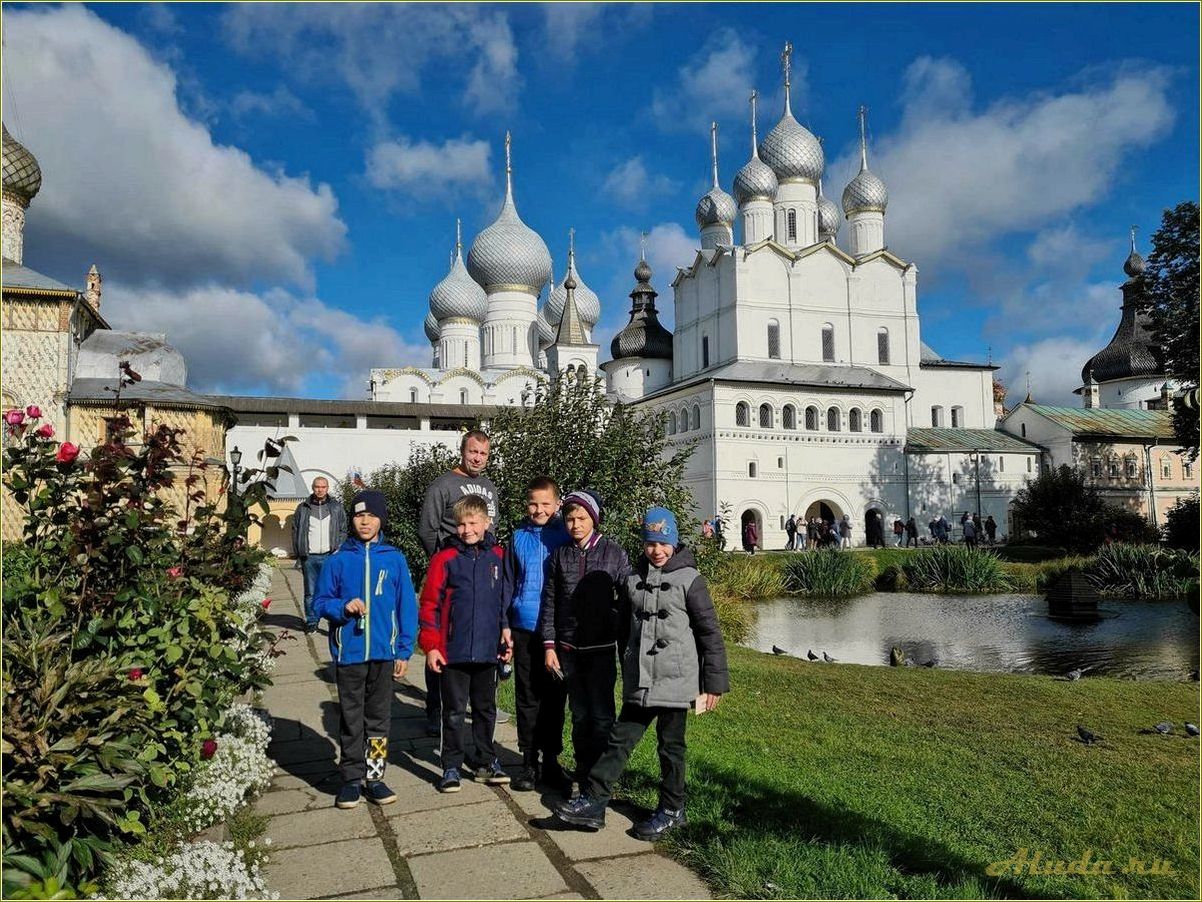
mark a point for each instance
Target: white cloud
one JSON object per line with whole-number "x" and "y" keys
{"x": 135, "y": 185}
{"x": 1054, "y": 366}
{"x": 275, "y": 342}
{"x": 714, "y": 84}
{"x": 960, "y": 177}
{"x": 630, "y": 183}
{"x": 381, "y": 49}
{"x": 425, "y": 170}
{"x": 668, "y": 246}
{"x": 279, "y": 103}
{"x": 567, "y": 23}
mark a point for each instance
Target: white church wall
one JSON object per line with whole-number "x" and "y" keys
{"x": 1130, "y": 394}
{"x": 968, "y": 390}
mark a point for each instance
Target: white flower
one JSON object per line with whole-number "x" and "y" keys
{"x": 202, "y": 870}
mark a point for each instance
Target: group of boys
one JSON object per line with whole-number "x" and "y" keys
{"x": 562, "y": 603}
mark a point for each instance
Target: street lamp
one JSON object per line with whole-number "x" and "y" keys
{"x": 236, "y": 460}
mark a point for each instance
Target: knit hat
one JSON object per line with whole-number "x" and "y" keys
{"x": 371, "y": 502}
{"x": 659, "y": 525}
{"x": 588, "y": 500}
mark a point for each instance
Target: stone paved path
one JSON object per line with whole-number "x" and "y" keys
{"x": 482, "y": 843}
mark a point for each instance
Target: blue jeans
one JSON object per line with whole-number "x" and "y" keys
{"x": 311, "y": 567}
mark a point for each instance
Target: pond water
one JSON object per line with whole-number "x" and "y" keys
{"x": 990, "y": 633}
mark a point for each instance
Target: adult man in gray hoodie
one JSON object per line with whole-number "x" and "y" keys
{"x": 437, "y": 522}
{"x": 318, "y": 528}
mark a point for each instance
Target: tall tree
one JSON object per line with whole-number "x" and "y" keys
{"x": 1171, "y": 298}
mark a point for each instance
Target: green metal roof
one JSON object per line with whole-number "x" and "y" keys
{"x": 1107, "y": 421}
{"x": 924, "y": 439}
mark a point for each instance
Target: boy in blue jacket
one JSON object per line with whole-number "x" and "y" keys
{"x": 464, "y": 633}
{"x": 539, "y": 695}
{"x": 366, "y": 593}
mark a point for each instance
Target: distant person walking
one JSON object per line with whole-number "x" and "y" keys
{"x": 911, "y": 532}
{"x": 970, "y": 533}
{"x": 845, "y": 532}
{"x": 318, "y": 528}
{"x": 899, "y": 531}
{"x": 791, "y": 532}
{"x": 876, "y": 530}
{"x": 991, "y": 530}
{"x": 751, "y": 536}
{"x": 438, "y": 523}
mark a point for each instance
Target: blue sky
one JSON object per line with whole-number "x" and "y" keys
{"x": 276, "y": 185}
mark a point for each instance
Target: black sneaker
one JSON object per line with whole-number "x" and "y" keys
{"x": 449, "y": 781}
{"x": 492, "y": 774}
{"x": 379, "y": 793}
{"x": 349, "y": 796}
{"x": 582, "y": 812}
{"x": 555, "y": 777}
{"x": 526, "y": 779}
{"x": 658, "y": 824}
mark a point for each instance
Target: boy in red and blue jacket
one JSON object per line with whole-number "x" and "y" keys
{"x": 366, "y": 593}
{"x": 462, "y": 624}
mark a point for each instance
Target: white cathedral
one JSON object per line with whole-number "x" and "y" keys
{"x": 797, "y": 367}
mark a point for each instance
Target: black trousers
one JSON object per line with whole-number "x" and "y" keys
{"x": 590, "y": 678}
{"x": 540, "y": 698}
{"x": 631, "y": 724}
{"x": 433, "y": 696}
{"x": 365, "y": 707}
{"x": 462, "y": 683}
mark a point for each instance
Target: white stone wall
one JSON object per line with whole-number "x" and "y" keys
{"x": 1130, "y": 394}
{"x": 630, "y": 378}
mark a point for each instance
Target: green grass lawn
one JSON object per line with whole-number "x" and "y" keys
{"x": 851, "y": 781}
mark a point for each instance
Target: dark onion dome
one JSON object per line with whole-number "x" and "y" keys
{"x": 509, "y": 252}
{"x": 1134, "y": 265}
{"x": 716, "y": 207}
{"x": 644, "y": 336}
{"x": 1131, "y": 353}
{"x": 22, "y": 174}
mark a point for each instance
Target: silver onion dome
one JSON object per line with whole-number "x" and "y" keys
{"x": 22, "y": 174}
{"x": 828, "y": 215}
{"x": 790, "y": 148}
{"x": 587, "y": 303}
{"x": 866, "y": 193}
{"x": 716, "y": 207}
{"x": 546, "y": 331}
{"x": 1134, "y": 265}
{"x": 458, "y": 295}
{"x": 509, "y": 252}
{"x": 431, "y": 327}
{"x": 756, "y": 180}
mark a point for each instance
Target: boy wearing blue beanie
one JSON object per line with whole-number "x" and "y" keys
{"x": 671, "y": 650}
{"x": 366, "y": 593}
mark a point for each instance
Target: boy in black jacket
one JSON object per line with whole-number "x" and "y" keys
{"x": 578, "y": 624}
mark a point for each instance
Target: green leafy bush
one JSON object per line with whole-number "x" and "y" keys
{"x": 1144, "y": 571}
{"x": 829, "y": 574}
{"x": 955, "y": 568}
{"x": 1181, "y": 524}
{"x": 750, "y": 577}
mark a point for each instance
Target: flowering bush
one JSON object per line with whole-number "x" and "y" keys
{"x": 203, "y": 870}
{"x": 129, "y": 628}
{"x": 238, "y": 771}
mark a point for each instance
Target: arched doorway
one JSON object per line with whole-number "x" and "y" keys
{"x": 874, "y": 526}
{"x": 824, "y": 510}
{"x": 751, "y": 515}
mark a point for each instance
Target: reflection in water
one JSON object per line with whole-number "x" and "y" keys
{"x": 999, "y": 633}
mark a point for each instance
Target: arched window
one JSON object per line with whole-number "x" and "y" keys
{"x": 789, "y": 417}
{"x": 1001, "y": 464}
{"x": 780, "y": 464}
{"x": 695, "y": 423}
{"x": 882, "y": 345}
{"x": 957, "y": 417}
{"x": 1095, "y": 467}
{"x": 765, "y": 416}
{"x": 742, "y": 414}
{"x": 705, "y": 351}
{"x": 671, "y": 424}
{"x": 855, "y": 420}
{"x": 812, "y": 419}
{"x": 1166, "y": 468}
{"x": 684, "y": 419}
{"x": 1131, "y": 468}
{"x": 876, "y": 421}
{"x": 828, "y": 343}
{"x": 832, "y": 419}
{"x": 463, "y": 396}
{"x": 1024, "y": 430}
{"x": 1098, "y": 473}
{"x": 774, "y": 339}
{"x": 751, "y": 468}
{"x": 791, "y": 224}
{"x": 936, "y": 416}
{"x": 413, "y": 396}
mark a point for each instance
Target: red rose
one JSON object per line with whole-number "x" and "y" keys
{"x": 175, "y": 572}
{"x": 266, "y": 603}
{"x": 14, "y": 417}
{"x": 33, "y": 412}
{"x": 135, "y": 674}
{"x": 208, "y": 749}
{"x": 46, "y": 431}
{"x": 67, "y": 452}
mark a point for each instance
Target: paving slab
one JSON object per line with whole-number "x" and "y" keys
{"x": 505, "y": 871}
{"x": 285, "y": 781}
{"x": 322, "y": 871}
{"x": 648, "y": 876}
{"x": 310, "y": 828}
{"x": 611, "y": 841}
{"x": 456, "y": 827}
{"x": 384, "y": 892}
{"x": 290, "y": 800}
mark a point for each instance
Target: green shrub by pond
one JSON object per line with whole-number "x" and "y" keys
{"x": 1144, "y": 571}
{"x": 955, "y": 568}
{"x": 828, "y": 574}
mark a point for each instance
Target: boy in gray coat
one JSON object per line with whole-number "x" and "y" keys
{"x": 673, "y": 650}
